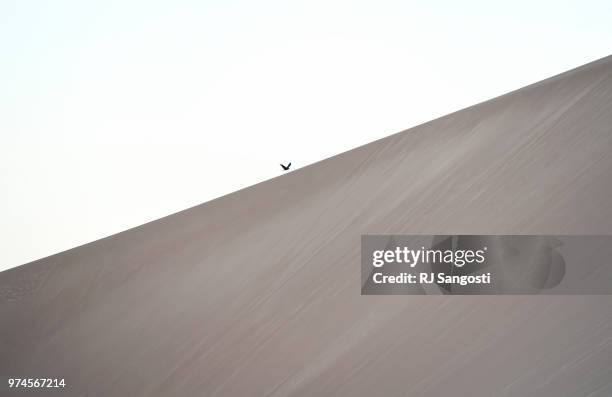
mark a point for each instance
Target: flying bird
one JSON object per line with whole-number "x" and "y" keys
{"x": 286, "y": 167}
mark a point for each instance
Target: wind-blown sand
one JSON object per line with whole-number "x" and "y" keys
{"x": 257, "y": 293}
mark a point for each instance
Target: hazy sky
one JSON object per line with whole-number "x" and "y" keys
{"x": 115, "y": 113}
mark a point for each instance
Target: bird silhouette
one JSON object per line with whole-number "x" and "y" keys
{"x": 286, "y": 167}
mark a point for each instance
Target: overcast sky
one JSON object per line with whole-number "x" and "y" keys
{"x": 116, "y": 113}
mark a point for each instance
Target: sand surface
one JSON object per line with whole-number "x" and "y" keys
{"x": 257, "y": 293}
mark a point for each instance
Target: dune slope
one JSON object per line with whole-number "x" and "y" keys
{"x": 257, "y": 293}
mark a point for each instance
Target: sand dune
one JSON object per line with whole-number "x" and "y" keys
{"x": 257, "y": 293}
